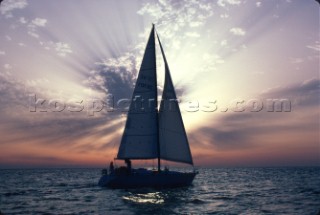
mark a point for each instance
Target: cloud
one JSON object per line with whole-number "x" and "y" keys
{"x": 8, "y": 38}
{"x": 114, "y": 76}
{"x": 8, "y": 6}
{"x": 2, "y": 52}
{"x": 23, "y": 20}
{"x": 223, "y": 42}
{"x": 172, "y": 16}
{"x": 63, "y": 49}
{"x": 223, "y": 139}
{"x": 211, "y": 61}
{"x": 34, "y": 25}
{"x": 192, "y": 34}
{"x": 152, "y": 9}
{"x": 11, "y": 92}
{"x": 33, "y": 34}
{"x": 237, "y": 31}
{"x": 39, "y": 22}
{"x": 297, "y": 60}
{"x": 223, "y": 3}
{"x": 7, "y": 66}
{"x": 224, "y": 16}
{"x": 302, "y": 95}
{"x": 315, "y": 47}
{"x": 239, "y": 131}
{"x": 48, "y": 129}
{"x": 258, "y": 4}
{"x": 195, "y": 24}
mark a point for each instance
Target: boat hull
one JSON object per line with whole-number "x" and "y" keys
{"x": 152, "y": 179}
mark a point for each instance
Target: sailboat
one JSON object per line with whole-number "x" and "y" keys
{"x": 151, "y": 133}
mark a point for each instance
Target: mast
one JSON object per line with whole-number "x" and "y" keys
{"x": 158, "y": 139}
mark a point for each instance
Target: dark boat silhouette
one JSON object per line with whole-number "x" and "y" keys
{"x": 151, "y": 133}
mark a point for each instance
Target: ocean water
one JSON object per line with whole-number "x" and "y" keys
{"x": 214, "y": 191}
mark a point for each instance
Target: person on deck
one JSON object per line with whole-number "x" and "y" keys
{"x": 128, "y": 162}
{"x": 111, "y": 167}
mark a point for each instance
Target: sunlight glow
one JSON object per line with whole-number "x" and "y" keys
{"x": 217, "y": 52}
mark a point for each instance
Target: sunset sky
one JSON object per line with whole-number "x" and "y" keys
{"x": 222, "y": 51}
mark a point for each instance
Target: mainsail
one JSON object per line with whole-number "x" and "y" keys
{"x": 140, "y": 137}
{"x": 148, "y": 133}
{"x": 174, "y": 144}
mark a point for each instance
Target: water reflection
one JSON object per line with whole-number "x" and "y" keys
{"x": 152, "y": 201}
{"x": 150, "y": 197}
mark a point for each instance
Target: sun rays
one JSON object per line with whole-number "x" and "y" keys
{"x": 218, "y": 52}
